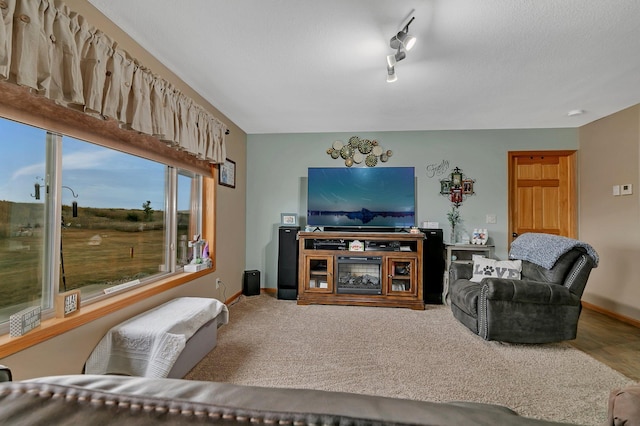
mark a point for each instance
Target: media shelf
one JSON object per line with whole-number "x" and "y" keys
{"x": 387, "y": 272}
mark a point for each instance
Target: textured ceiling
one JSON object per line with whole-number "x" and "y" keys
{"x": 295, "y": 66}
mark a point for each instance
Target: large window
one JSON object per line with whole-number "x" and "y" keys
{"x": 75, "y": 215}
{"x": 23, "y": 221}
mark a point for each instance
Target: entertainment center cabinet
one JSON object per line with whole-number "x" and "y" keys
{"x": 386, "y": 272}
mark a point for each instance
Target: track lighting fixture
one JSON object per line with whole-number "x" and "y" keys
{"x": 402, "y": 42}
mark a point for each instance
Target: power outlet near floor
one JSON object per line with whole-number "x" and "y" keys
{"x": 218, "y": 281}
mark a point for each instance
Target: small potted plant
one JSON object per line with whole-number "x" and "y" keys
{"x": 454, "y": 220}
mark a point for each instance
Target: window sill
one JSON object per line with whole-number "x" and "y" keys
{"x": 53, "y": 327}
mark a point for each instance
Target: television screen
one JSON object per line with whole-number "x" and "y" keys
{"x": 361, "y": 197}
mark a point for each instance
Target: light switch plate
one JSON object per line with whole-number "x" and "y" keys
{"x": 616, "y": 190}
{"x": 626, "y": 189}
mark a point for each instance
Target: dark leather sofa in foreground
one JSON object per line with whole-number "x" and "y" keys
{"x": 123, "y": 400}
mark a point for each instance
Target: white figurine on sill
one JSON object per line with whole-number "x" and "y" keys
{"x": 197, "y": 244}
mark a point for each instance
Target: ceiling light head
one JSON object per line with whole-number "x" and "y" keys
{"x": 391, "y": 75}
{"x": 409, "y": 42}
{"x": 403, "y": 39}
{"x": 393, "y": 59}
{"x": 575, "y": 112}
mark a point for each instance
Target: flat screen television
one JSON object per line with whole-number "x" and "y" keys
{"x": 361, "y": 198}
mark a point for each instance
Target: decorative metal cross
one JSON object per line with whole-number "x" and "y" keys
{"x": 457, "y": 188}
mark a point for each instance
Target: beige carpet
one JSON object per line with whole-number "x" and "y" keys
{"x": 423, "y": 355}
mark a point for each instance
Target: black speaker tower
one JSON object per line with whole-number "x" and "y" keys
{"x": 288, "y": 262}
{"x": 432, "y": 266}
{"x": 251, "y": 283}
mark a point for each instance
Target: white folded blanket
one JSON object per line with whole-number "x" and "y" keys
{"x": 148, "y": 344}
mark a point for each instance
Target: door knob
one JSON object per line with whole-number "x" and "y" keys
{"x": 514, "y": 235}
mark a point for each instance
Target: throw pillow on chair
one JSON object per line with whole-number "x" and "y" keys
{"x": 484, "y": 267}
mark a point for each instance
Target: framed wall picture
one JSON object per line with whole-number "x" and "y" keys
{"x": 227, "y": 173}
{"x": 456, "y": 196}
{"x": 467, "y": 186}
{"x": 456, "y": 178}
{"x": 288, "y": 219}
{"x": 445, "y": 187}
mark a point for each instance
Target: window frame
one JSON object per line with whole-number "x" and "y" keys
{"x": 18, "y": 104}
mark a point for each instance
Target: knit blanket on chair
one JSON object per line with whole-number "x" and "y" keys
{"x": 546, "y": 249}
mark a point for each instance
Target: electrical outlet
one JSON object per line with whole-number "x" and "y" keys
{"x": 218, "y": 280}
{"x": 491, "y": 218}
{"x": 626, "y": 189}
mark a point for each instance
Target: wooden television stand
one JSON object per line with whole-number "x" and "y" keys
{"x": 387, "y": 273}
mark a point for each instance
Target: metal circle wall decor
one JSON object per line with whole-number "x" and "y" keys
{"x": 357, "y": 151}
{"x": 371, "y": 160}
{"x": 346, "y": 152}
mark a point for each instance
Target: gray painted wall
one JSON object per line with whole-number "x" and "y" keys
{"x": 277, "y": 169}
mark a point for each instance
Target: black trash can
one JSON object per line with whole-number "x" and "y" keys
{"x": 251, "y": 283}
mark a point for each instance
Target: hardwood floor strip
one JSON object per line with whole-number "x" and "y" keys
{"x": 611, "y": 341}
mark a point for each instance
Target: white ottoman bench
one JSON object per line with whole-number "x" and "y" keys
{"x": 166, "y": 341}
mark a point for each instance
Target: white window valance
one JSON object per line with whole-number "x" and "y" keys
{"x": 57, "y": 54}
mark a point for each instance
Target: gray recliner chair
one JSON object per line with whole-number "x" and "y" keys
{"x": 542, "y": 306}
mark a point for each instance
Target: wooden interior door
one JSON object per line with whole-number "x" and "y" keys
{"x": 542, "y": 193}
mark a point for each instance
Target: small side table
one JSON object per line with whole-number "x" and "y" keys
{"x": 462, "y": 253}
